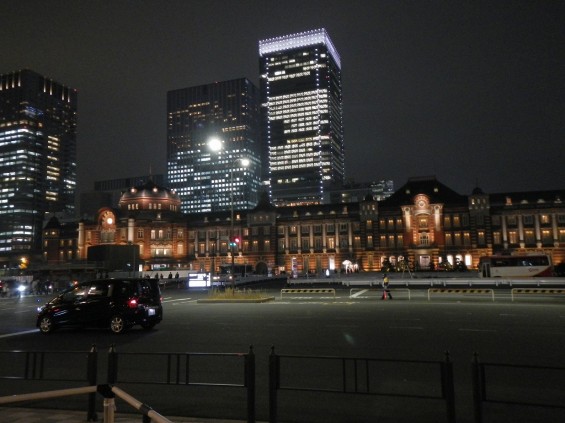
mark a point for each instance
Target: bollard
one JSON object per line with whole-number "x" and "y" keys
{"x": 448, "y": 387}
{"x": 109, "y": 410}
{"x": 274, "y": 373}
{"x": 250, "y": 384}
{"x": 112, "y": 365}
{"x": 92, "y": 371}
{"x": 478, "y": 381}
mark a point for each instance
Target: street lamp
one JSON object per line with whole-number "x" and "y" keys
{"x": 215, "y": 144}
{"x": 234, "y": 241}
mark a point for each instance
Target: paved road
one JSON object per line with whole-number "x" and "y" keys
{"x": 526, "y": 331}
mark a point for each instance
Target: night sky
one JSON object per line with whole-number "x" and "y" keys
{"x": 469, "y": 91}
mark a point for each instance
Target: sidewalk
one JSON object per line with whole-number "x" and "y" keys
{"x": 33, "y": 415}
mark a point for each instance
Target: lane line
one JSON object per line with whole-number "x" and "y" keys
{"x": 172, "y": 300}
{"x": 407, "y": 327}
{"x": 19, "y": 333}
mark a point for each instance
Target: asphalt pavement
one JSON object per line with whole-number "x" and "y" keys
{"x": 354, "y": 323}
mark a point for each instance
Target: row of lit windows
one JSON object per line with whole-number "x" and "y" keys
{"x": 151, "y": 206}
{"x": 294, "y": 114}
{"x": 317, "y": 245}
{"x": 292, "y": 159}
{"x": 301, "y": 129}
{"x": 458, "y": 239}
{"x": 529, "y": 237}
{"x": 293, "y": 146}
{"x": 301, "y": 103}
{"x": 528, "y": 219}
{"x": 296, "y": 97}
{"x": 290, "y": 76}
{"x": 456, "y": 221}
{"x": 395, "y": 241}
{"x": 512, "y": 220}
{"x": 391, "y": 224}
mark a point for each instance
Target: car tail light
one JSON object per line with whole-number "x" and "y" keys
{"x": 132, "y": 303}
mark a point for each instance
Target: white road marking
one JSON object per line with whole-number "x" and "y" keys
{"x": 407, "y": 327}
{"x": 476, "y": 330}
{"x": 25, "y": 332}
{"x": 173, "y": 300}
{"x": 359, "y": 293}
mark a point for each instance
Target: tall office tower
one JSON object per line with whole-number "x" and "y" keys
{"x": 38, "y": 119}
{"x": 301, "y": 107}
{"x": 212, "y": 134}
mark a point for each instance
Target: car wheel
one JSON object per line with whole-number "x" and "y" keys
{"x": 46, "y": 325}
{"x": 118, "y": 324}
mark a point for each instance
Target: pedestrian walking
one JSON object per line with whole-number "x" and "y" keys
{"x": 386, "y": 290}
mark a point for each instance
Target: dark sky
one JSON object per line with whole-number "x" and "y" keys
{"x": 469, "y": 91}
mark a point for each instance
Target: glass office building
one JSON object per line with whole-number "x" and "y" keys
{"x": 223, "y": 115}
{"x": 301, "y": 107}
{"x": 38, "y": 118}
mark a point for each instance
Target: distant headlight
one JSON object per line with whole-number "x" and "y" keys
{"x": 21, "y": 288}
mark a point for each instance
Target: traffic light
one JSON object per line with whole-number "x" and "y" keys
{"x": 234, "y": 241}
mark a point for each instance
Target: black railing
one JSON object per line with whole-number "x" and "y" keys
{"x": 179, "y": 369}
{"x": 526, "y": 393}
{"x": 511, "y": 385}
{"x": 353, "y": 375}
{"x": 35, "y": 366}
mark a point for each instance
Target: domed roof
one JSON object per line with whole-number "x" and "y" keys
{"x": 477, "y": 191}
{"x": 149, "y": 194}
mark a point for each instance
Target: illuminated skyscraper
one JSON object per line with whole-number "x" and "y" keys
{"x": 207, "y": 180}
{"x": 301, "y": 108}
{"x": 37, "y": 157}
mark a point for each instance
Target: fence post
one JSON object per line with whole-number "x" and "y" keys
{"x": 112, "y": 365}
{"x": 92, "y": 371}
{"x": 33, "y": 369}
{"x": 274, "y": 369}
{"x": 448, "y": 387}
{"x": 477, "y": 389}
{"x": 250, "y": 384}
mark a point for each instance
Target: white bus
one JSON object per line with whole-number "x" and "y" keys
{"x": 515, "y": 266}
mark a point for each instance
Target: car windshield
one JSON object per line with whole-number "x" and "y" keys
{"x": 75, "y": 293}
{"x": 98, "y": 289}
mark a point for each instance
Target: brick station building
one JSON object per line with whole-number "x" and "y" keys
{"x": 424, "y": 224}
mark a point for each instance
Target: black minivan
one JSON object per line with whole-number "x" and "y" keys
{"x": 115, "y": 303}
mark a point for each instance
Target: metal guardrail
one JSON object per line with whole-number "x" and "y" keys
{"x": 308, "y": 291}
{"x": 351, "y": 375}
{"x": 178, "y": 368}
{"x": 480, "y": 395}
{"x": 431, "y": 281}
{"x": 351, "y": 383}
{"x": 536, "y": 291}
{"x": 32, "y": 365}
{"x": 456, "y": 291}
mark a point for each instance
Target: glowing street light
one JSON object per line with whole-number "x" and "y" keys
{"x": 216, "y": 144}
{"x": 234, "y": 241}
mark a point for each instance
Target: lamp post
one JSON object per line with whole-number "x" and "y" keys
{"x": 216, "y": 144}
{"x": 233, "y": 241}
